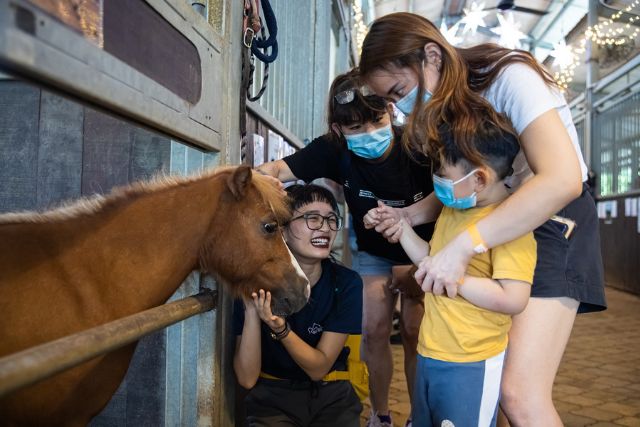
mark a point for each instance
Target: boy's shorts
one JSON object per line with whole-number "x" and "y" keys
{"x": 449, "y": 394}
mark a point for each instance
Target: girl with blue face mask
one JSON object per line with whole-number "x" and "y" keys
{"x": 362, "y": 152}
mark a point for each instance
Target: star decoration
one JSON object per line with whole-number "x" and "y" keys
{"x": 450, "y": 33}
{"x": 563, "y": 54}
{"x": 474, "y": 17}
{"x": 509, "y": 32}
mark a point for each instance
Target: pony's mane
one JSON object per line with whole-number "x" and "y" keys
{"x": 273, "y": 196}
{"x": 98, "y": 202}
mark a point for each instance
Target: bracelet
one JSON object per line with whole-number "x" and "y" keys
{"x": 280, "y": 335}
{"x": 479, "y": 246}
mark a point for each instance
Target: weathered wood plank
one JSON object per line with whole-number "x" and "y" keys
{"x": 19, "y": 109}
{"x": 107, "y": 150}
{"x": 150, "y": 155}
{"x": 59, "y": 150}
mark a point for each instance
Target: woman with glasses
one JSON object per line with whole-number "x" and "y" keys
{"x": 362, "y": 152}
{"x": 285, "y": 362}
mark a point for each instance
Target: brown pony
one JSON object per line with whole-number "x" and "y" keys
{"x": 104, "y": 258}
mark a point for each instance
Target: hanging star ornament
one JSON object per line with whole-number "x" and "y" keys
{"x": 451, "y": 33}
{"x": 474, "y": 18}
{"x": 509, "y": 32}
{"x": 563, "y": 54}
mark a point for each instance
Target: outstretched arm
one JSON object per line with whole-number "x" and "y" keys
{"x": 503, "y": 296}
{"x": 277, "y": 169}
{"x": 413, "y": 245}
{"x": 386, "y": 219}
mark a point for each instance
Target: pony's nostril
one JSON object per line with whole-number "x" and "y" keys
{"x": 287, "y": 303}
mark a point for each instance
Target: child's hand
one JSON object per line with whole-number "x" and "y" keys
{"x": 262, "y": 304}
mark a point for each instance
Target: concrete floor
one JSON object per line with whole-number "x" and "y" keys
{"x": 598, "y": 383}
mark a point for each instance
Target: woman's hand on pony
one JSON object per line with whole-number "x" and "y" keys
{"x": 386, "y": 221}
{"x": 262, "y": 305}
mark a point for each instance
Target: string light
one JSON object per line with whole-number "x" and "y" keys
{"x": 604, "y": 34}
{"x": 359, "y": 26}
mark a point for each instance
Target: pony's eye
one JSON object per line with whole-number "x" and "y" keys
{"x": 270, "y": 227}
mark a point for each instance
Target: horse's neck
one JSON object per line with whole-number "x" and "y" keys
{"x": 156, "y": 238}
{"x": 132, "y": 254}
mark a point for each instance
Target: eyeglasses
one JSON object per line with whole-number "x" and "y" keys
{"x": 348, "y": 95}
{"x": 316, "y": 221}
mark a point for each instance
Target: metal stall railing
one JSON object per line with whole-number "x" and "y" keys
{"x": 35, "y": 364}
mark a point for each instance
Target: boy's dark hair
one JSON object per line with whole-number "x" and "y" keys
{"x": 361, "y": 110}
{"x": 301, "y": 195}
{"x": 497, "y": 148}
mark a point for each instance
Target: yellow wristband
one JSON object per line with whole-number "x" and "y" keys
{"x": 479, "y": 246}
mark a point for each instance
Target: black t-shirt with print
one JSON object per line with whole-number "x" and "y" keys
{"x": 398, "y": 181}
{"x": 335, "y": 305}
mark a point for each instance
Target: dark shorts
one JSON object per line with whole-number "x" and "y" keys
{"x": 571, "y": 268}
{"x": 315, "y": 404}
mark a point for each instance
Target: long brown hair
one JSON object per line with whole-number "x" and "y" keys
{"x": 398, "y": 39}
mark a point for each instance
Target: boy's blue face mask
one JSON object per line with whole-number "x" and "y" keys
{"x": 444, "y": 189}
{"x": 408, "y": 102}
{"x": 370, "y": 145}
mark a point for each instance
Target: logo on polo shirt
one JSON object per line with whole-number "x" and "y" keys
{"x": 315, "y": 329}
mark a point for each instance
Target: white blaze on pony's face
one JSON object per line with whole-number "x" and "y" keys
{"x": 250, "y": 215}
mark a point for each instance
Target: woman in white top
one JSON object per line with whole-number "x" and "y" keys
{"x": 407, "y": 60}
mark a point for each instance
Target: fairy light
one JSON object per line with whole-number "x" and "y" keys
{"x": 359, "y": 26}
{"x": 604, "y": 34}
{"x": 509, "y": 32}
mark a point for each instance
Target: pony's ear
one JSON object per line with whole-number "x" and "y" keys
{"x": 239, "y": 180}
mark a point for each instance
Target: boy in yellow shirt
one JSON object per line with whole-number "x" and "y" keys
{"x": 463, "y": 337}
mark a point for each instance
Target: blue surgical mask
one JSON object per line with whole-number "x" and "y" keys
{"x": 370, "y": 145}
{"x": 444, "y": 189}
{"x": 407, "y": 102}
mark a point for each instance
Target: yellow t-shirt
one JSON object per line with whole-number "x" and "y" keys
{"x": 455, "y": 330}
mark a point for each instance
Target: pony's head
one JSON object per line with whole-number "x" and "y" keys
{"x": 246, "y": 249}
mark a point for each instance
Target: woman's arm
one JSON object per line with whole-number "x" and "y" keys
{"x": 316, "y": 362}
{"x": 277, "y": 169}
{"x": 556, "y": 181}
{"x": 502, "y": 296}
{"x": 247, "y": 360}
{"x": 386, "y": 219}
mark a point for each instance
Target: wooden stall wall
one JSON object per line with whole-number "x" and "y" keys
{"x": 53, "y": 149}
{"x": 620, "y": 243}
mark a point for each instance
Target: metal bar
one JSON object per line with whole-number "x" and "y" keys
{"x": 45, "y": 360}
{"x": 619, "y": 72}
{"x": 615, "y": 94}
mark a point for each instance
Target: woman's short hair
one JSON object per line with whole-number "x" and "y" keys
{"x": 302, "y": 195}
